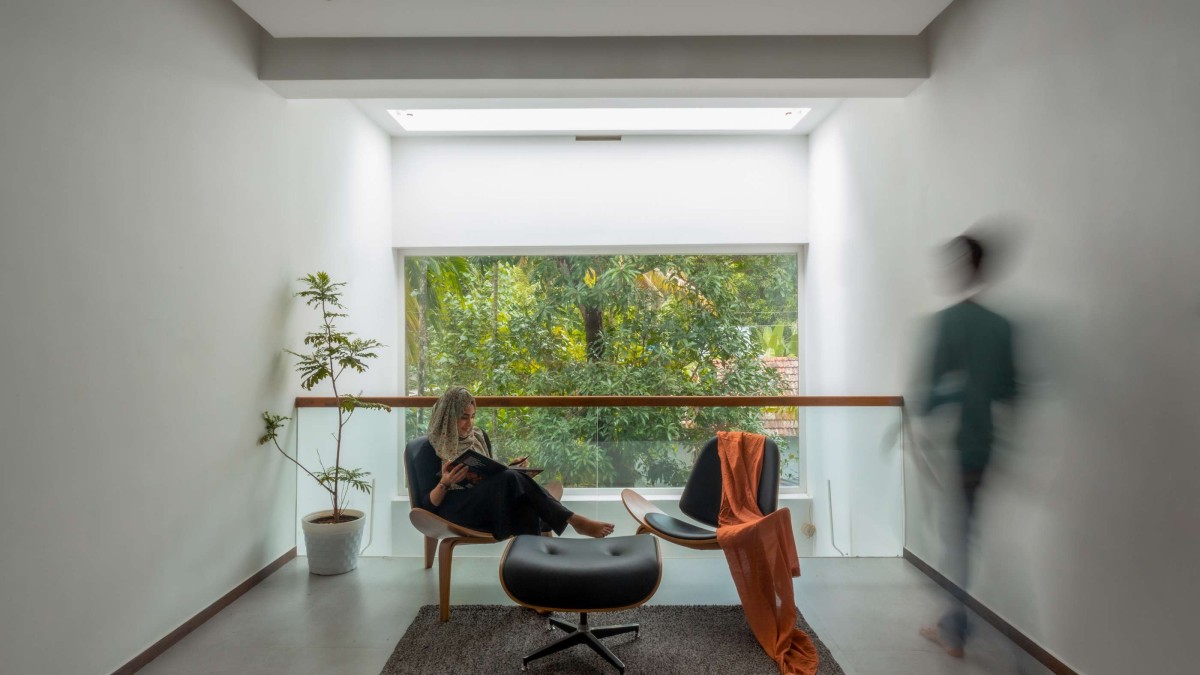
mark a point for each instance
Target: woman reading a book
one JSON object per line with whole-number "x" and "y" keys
{"x": 507, "y": 503}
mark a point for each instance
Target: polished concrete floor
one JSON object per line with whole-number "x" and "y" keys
{"x": 867, "y": 610}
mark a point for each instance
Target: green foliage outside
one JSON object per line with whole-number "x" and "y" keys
{"x": 602, "y": 325}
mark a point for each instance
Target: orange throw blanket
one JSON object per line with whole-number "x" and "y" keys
{"x": 761, "y": 552}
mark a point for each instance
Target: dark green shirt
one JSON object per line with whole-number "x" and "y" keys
{"x": 972, "y": 367}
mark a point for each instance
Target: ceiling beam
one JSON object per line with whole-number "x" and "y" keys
{"x": 743, "y": 66}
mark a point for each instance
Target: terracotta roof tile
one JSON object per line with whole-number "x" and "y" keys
{"x": 783, "y": 423}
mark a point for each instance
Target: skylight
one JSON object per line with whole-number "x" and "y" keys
{"x": 599, "y": 119}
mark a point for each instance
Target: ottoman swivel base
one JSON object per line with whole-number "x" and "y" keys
{"x": 583, "y": 634}
{"x": 581, "y": 575}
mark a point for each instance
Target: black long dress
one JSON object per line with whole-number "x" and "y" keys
{"x": 506, "y": 504}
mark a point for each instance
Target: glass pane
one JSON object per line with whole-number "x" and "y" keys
{"x": 370, "y": 441}
{"x": 624, "y": 325}
{"x": 619, "y": 447}
{"x": 841, "y": 471}
{"x": 657, "y": 446}
{"x": 855, "y": 469}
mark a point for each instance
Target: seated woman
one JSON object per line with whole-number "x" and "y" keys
{"x": 506, "y": 504}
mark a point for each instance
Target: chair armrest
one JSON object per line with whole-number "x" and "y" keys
{"x": 432, "y": 525}
{"x": 638, "y": 506}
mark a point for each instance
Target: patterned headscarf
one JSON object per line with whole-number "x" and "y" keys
{"x": 443, "y": 426}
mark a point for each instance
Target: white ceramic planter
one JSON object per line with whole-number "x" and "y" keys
{"x": 332, "y": 548}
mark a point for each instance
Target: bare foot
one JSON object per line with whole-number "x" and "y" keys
{"x": 932, "y": 634}
{"x": 588, "y": 527}
{"x": 555, "y": 488}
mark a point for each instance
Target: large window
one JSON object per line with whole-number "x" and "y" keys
{"x": 608, "y": 325}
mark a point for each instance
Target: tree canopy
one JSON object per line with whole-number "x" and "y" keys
{"x": 602, "y": 325}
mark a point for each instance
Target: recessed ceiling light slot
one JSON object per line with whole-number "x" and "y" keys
{"x": 597, "y": 138}
{"x": 597, "y": 121}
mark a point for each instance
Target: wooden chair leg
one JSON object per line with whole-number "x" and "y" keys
{"x": 445, "y": 557}
{"x": 430, "y": 548}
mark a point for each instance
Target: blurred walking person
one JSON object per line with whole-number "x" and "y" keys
{"x": 971, "y": 369}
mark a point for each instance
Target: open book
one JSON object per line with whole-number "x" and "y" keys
{"x": 481, "y": 466}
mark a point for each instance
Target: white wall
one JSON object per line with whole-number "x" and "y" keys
{"x": 156, "y": 204}
{"x": 643, "y": 190}
{"x": 1075, "y": 122}
{"x": 678, "y": 192}
{"x": 853, "y": 299}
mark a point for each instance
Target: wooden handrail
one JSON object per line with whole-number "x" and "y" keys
{"x": 627, "y": 401}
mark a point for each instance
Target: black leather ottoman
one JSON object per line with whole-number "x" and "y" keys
{"x": 581, "y": 575}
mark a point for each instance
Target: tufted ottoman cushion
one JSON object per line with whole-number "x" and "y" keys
{"x": 581, "y": 575}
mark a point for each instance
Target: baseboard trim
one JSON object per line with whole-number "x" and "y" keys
{"x": 140, "y": 661}
{"x": 1007, "y": 629}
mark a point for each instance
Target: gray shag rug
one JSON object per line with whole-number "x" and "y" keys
{"x": 684, "y": 639}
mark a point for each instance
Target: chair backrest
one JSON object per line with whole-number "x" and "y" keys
{"x": 421, "y": 467}
{"x": 701, "y": 497}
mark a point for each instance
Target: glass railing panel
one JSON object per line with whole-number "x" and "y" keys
{"x": 841, "y": 471}
{"x": 655, "y": 447}
{"x": 370, "y": 441}
{"x": 855, "y": 476}
{"x": 633, "y": 446}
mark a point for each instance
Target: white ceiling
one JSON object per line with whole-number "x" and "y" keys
{"x": 569, "y": 18}
{"x": 578, "y": 18}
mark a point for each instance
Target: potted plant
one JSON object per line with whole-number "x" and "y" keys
{"x": 332, "y": 537}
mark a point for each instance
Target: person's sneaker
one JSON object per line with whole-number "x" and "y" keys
{"x": 932, "y": 634}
